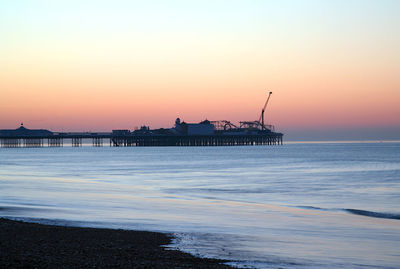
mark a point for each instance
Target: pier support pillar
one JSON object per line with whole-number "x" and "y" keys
{"x": 76, "y": 142}
{"x": 97, "y": 142}
{"x": 32, "y": 142}
{"x": 55, "y": 142}
{"x": 10, "y": 142}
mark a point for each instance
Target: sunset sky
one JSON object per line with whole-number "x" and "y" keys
{"x": 333, "y": 66}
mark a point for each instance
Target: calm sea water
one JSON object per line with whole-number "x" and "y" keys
{"x": 314, "y": 205}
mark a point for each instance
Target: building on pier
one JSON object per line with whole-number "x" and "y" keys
{"x": 24, "y": 132}
{"x": 203, "y": 128}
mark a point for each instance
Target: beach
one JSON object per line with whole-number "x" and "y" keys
{"x": 31, "y": 245}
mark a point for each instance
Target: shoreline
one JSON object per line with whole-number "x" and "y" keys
{"x": 33, "y": 245}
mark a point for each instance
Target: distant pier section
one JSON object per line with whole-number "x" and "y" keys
{"x": 205, "y": 133}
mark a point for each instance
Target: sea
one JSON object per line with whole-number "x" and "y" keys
{"x": 297, "y": 205}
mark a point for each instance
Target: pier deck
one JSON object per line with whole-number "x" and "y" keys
{"x": 98, "y": 140}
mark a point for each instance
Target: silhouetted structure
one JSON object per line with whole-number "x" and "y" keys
{"x": 205, "y": 133}
{"x": 24, "y": 132}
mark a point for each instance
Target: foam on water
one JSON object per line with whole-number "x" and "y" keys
{"x": 323, "y": 205}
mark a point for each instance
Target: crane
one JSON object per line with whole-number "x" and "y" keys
{"x": 262, "y": 113}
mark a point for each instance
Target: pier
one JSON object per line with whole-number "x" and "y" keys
{"x": 204, "y": 133}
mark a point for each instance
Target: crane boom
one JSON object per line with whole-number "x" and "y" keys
{"x": 262, "y": 113}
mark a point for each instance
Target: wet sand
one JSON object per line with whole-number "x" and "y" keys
{"x": 30, "y": 245}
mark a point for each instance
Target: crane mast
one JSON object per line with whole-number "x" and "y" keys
{"x": 262, "y": 112}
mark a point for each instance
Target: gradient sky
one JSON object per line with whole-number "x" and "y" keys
{"x": 333, "y": 66}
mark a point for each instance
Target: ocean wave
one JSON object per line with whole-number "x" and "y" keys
{"x": 314, "y": 208}
{"x": 366, "y": 213}
{"x": 373, "y": 214}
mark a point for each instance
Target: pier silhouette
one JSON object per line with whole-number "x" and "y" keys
{"x": 205, "y": 133}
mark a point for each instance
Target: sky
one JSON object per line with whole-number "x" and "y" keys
{"x": 333, "y": 66}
